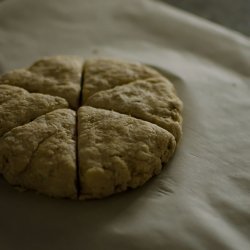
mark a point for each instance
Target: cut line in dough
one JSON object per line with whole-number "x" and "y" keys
{"x": 126, "y": 127}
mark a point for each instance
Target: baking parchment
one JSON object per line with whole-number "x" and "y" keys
{"x": 202, "y": 198}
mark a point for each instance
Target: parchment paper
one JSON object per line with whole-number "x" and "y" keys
{"x": 201, "y": 199}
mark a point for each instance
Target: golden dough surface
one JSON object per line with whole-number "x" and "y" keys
{"x": 153, "y": 100}
{"x": 103, "y": 74}
{"x": 40, "y": 155}
{"x": 86, "y": 130}
{"x": 21, "y": 107}
{"x": 56, "y": 76}
{"x": 117, "y": 151}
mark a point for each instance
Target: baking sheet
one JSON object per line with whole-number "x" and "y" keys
{"x": 201, "y": 199}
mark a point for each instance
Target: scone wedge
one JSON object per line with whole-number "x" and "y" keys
{"x": 41, "y": 155}
{"x": 56, "y": 76}
{"x": 153, "y": 100}
{"x": 18, "y": 106}
{"x": 117, "y": 152}
{"x": 102, "y": 74}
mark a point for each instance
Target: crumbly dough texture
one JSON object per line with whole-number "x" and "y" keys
{"x": 57, "y": 76}
{"x": 128, "y": 125}
{"x": 40, "y": 155}
{"x": 103, "y": 74}
{"x": 153, "y": 100}
{"x": 18, "y": 106}
{"x": 117, "y": 151}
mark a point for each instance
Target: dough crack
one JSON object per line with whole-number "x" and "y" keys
{"x": 35, "y": 151}
{"x": 78, "y": 182}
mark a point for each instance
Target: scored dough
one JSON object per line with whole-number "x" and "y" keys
{"x": 57, "y": 76}
{"x": 17, "y": 106}
{"x": 153, "y": 100}
{"x": 41, "y": 154}
{"x": 127, "y": 129}
{"x": 102, "y": 74}
{"x": 116, "y": 151}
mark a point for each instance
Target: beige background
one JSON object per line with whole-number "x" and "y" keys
{"x": 230, "y": 13}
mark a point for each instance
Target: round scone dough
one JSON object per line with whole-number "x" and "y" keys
{"x": 117, "y": 151}
{"x": 153, "y": 100}
{"x": 128, "y": 125}
{"x": 41, "y": 155}
{"x": 102, "y": 74}
{"x": 56, "y": 76}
